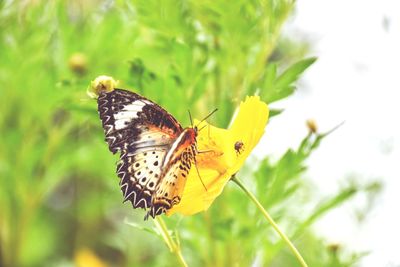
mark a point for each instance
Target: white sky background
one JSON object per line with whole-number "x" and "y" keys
{"x": 356, "y": 80}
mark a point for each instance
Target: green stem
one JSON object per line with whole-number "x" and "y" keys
{"x": 271, "y": 221}
{"x": 172, "y": 245}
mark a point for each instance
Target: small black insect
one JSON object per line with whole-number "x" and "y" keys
{"x": 239, "y": 147}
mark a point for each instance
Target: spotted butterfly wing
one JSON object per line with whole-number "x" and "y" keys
{"x": 149, "y": 139}
{"x": 175, "y": 170}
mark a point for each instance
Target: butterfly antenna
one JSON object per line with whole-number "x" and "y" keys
{"x": 198, "y": 173}
{"x": 215, "y": 110}
{"x": 191, "y": 120}
{"x": 202, "y": 128}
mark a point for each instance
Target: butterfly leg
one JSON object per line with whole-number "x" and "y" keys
{"x": 205, "y": 151}
{"x": 198, "y": 173}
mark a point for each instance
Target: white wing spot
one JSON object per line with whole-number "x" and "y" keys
{"x": 128, "y": 113}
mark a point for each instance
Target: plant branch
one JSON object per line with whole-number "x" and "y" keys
{"x": 172, "y": 245}
{"x": 271, "y": 221}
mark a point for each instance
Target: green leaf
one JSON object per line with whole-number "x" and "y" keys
{"x": 275, "y": 112}
{"x": 292, "y": 74}
{"x": 276, "y": 88}
{"x": 329, "y": 204}
{"x": 270, "y": 75}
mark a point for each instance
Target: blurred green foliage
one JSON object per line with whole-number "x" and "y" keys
{"x": 59, "y": 192}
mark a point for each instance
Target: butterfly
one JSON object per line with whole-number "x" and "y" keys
{"x": 156, "y": 153}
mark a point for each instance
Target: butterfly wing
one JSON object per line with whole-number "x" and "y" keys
{"x": 139, "y": 176}
{"x": 143, "y": 132}
{"x": 131, "y": 121}
{"x": 174, "y": 173}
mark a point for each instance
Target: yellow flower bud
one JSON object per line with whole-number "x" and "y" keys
{"x": 312, "y": 126}
{"x": 101, "y": 84}
{"x": 78, "y": 63}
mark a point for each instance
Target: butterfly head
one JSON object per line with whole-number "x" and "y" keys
{"x": 191, "y": 133}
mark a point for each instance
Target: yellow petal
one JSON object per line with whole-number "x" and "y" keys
{"x": 248, "y": 127}
{"x": 218, "y": 159}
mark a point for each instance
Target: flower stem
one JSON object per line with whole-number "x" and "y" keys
{"x": 172, "y": 245}
{"x": 271, "y": 221}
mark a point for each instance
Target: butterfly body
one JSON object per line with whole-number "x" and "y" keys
{"x": 156, "y": 152}
{"x": 176, "y": 167}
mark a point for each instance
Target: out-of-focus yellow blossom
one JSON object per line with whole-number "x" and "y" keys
{"x": 78, "y": 63}
{"x": 86, "y": 258}
{"x": 102, "y": 83}
{"x": 225, "y": 151}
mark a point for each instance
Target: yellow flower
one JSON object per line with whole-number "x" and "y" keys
{"x": 225, "y": 151}
{"x": 86, "y": 258}
{"x": 101, "y": 84}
